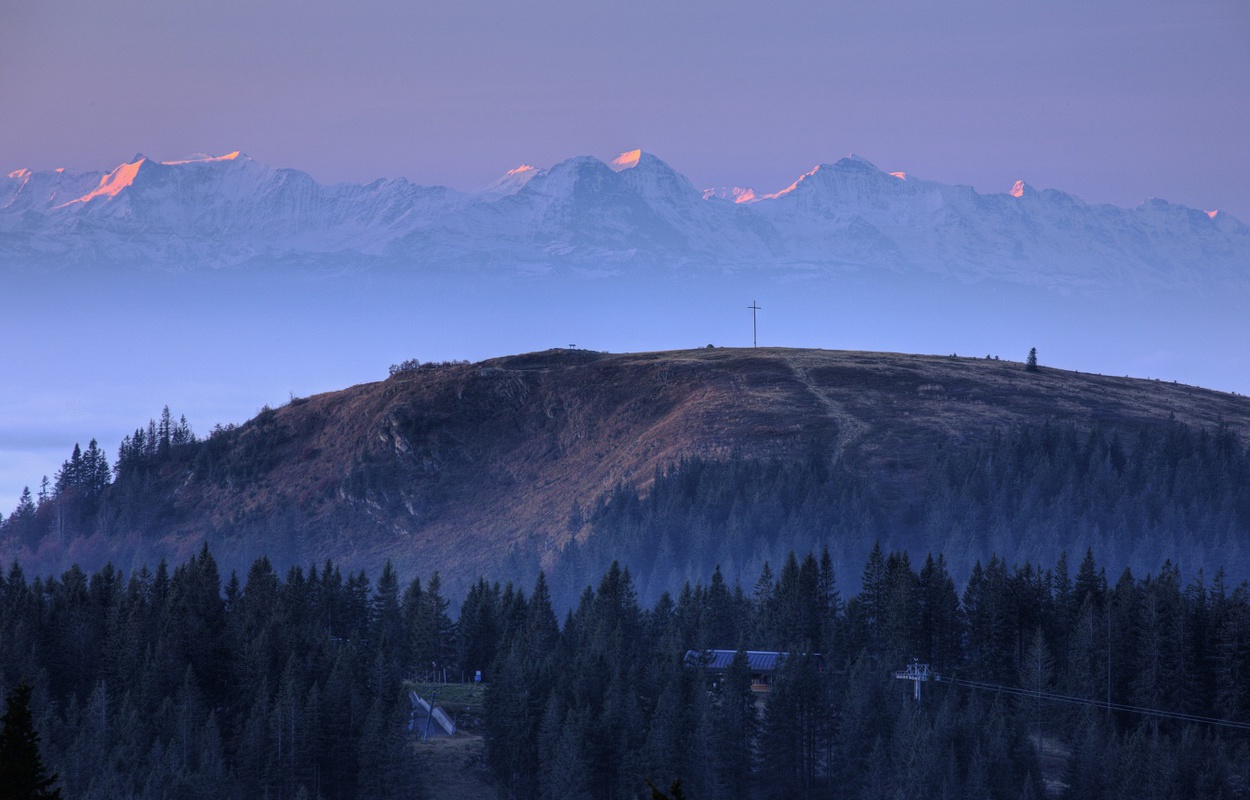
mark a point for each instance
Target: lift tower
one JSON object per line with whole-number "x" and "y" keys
{"x": 917, "y": 673}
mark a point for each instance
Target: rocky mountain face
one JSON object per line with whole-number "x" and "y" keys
{"x": 498, "y": 467}
{"x": 634, "y": 213}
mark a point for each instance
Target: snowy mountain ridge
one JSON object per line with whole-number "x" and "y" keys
{"x": 633, "y": 213}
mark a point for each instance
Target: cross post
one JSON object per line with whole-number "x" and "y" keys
{"x": 754, "y": 330}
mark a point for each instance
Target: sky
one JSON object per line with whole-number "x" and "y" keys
{"x": 1114, "y": 101}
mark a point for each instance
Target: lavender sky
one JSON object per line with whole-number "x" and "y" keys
{"x": 1114, "y": 100}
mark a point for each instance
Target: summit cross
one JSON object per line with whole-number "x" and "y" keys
{"x": 754, "y": 330}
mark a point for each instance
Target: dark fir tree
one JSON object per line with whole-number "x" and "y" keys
{"x": 22, "y": 773}
{"x": 22, "y": 524}
{"x": 736, "y": 728}
{"x": 159, "y": 686}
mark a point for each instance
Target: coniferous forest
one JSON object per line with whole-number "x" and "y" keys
{"x": 1168, "y": 493}
{"x": 181, "y": 684}
{"x": 175, "y": 685}
{"x": 1164, "y": 492}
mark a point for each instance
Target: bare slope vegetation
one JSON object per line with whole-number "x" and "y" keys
{"x": 485, "y": 468}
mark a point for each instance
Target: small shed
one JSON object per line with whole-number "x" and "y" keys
{"x": 762, "y": 663}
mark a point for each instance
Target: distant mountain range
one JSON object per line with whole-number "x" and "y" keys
{"x": 633, "y": 213}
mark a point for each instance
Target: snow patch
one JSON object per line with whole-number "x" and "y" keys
{"x": 735, "y": 194}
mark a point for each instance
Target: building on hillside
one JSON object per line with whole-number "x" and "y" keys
{"x": 763, "y": 664}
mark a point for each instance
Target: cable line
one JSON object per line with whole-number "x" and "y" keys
{"x": 1084, "y": 701}
{"x": 920, "y": 673}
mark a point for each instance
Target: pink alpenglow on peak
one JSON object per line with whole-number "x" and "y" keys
{"x": 902, "y": 176}
{"x": 1019, "y": 189}
{"x": 627, "y": 160}
{"x": 793, "y": 186}
{"x": 1213, "y": 214}
{"x": 510, "y": 183}
{"x": 112, "y": 183}
{"x": 19, "y": 174}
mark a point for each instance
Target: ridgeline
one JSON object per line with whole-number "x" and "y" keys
{"x": 674, "y": 462}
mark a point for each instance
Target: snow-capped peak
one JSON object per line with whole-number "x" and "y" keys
{"x": 626, "y": 160}
{"x": 655, "y": 181}
{"x": 228, "y": 209}
{"x": 782, "y": 193}
{"x": 851, "y": 159}
{"x": 510, "y": 183}
{"x": 114, "y": 182}
{"x": 201, "y": 158}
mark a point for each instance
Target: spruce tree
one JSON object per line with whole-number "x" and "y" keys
{"x": 21, "y": 524}
{"x": 871, "y": 602}
{"x": 736, "y": 726}
{"x": 22, "y": 773}
{"x": 1030, "y": 365}
{"x": 1036, "y": 673}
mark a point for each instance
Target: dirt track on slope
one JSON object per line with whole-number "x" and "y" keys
{"x": 453, "y": 768}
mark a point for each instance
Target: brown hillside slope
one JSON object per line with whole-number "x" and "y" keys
{"x": 455, "y": 467}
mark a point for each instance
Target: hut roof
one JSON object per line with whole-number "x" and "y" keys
{"x": 757, "y": 660}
